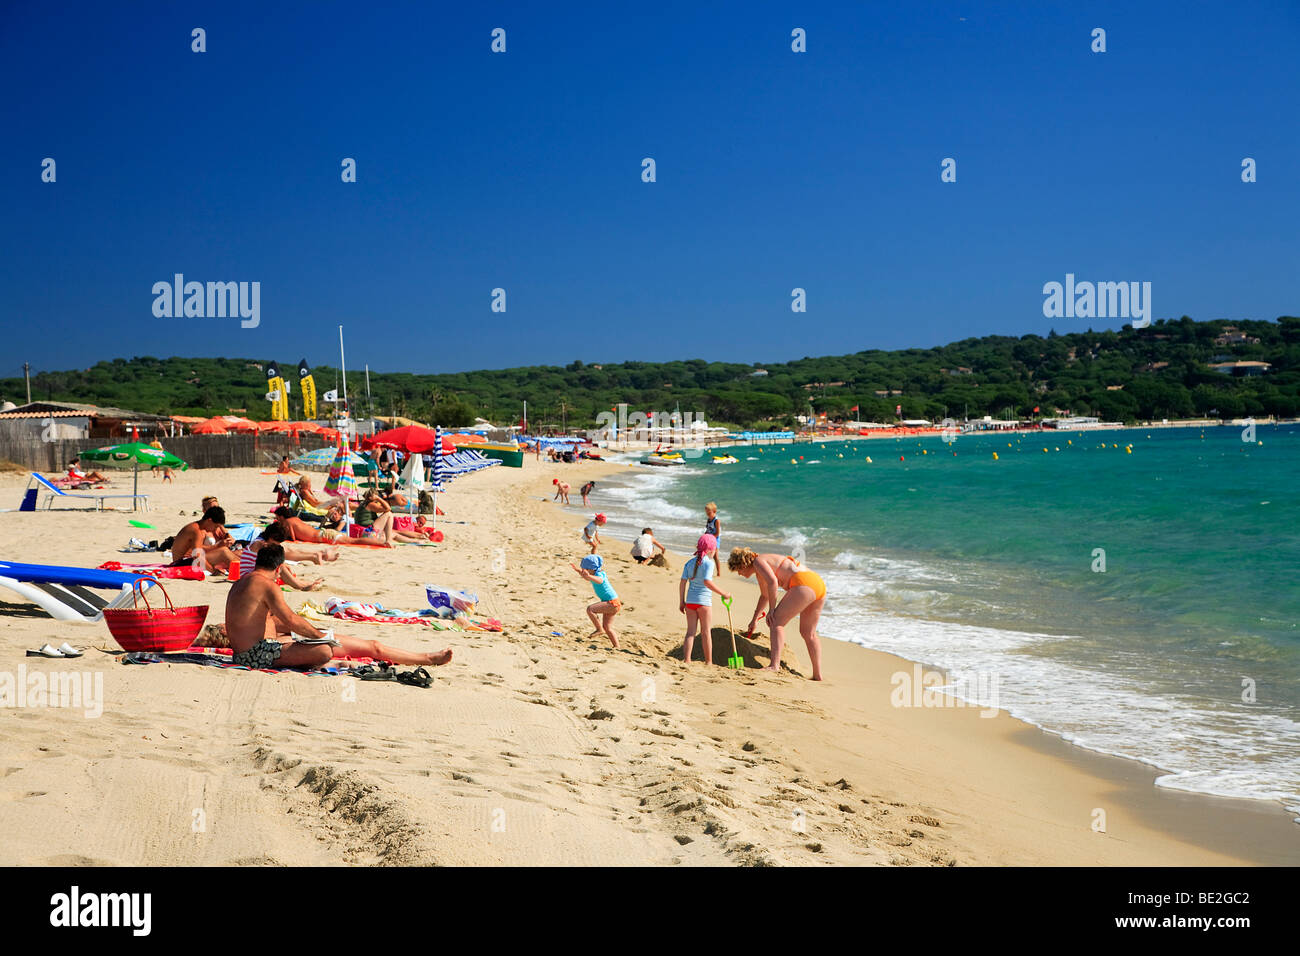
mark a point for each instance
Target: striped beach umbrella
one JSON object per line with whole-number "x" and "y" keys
{"x": 342, "y": 483}
{"x": 436, "y": 472}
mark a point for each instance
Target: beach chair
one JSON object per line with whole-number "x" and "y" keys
{"x": 56, "y": 492}
{"x": 64, "y": 593}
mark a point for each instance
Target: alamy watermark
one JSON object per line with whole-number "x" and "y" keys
{"x": 666, "y": 427}
{"x": 213, "y": 300}
{"x": 922, "y": 688}
{"x": 76, "y": 690}
{"x": 1098, "y": 300}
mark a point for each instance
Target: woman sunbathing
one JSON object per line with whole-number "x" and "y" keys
{"x": 306, "y": 493}
{"x": 375, "y": 514}
{"x": 298, "y": 530}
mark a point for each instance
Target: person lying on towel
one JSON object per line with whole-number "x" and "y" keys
{"x": 260, "y": 627}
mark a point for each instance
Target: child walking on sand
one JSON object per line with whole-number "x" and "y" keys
{"x": 591, "y": 533}
{"x": 593, "y": 570}
{"x": 693, "y": 596}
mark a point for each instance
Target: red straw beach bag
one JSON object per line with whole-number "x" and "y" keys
{"x": 160, "y": 630}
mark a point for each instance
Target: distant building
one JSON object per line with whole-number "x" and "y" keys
{"x": 1231, "y": 336}
{"x": 758, "y": 373}
{"x": 54, "y": 421}
{"x": 959, "y": 370}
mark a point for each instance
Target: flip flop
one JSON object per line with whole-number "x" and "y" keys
{"x": 46, "y": 651}
{"x": 69, "y": 651}
{"x": 371, "y": 672}
{"x": 416, "y": 678}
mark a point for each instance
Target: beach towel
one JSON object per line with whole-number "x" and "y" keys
{"x": 186, "y": 573}
{"x": 364, "y": 613}
{"x": 221, "y": 657}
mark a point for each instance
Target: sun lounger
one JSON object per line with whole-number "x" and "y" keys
{"x": 65, "y": 593}
{"x": 56, "y": 492}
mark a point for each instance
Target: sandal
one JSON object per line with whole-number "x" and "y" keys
{"x": 371, "y": 672}
{"x": 416, "y": 678}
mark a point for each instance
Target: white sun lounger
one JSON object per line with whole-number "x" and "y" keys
{"x": 66, "y": 593}
{"x": 56, "y": 492}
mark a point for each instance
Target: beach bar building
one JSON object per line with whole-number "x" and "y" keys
{"x": 57, "y": 421}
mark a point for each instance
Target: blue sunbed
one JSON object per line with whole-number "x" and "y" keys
{"x": 65, "y": 592}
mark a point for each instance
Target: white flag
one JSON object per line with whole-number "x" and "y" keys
{"x": 273, "y": 396}
{"x": 332, "y": 395}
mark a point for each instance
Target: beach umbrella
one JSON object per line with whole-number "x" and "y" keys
{"x": 235, "y": 423}
{"x": 210, "y": 426}
{"x": 415, "y": 439}
{"x": 133, "y": 455}
{"x": 436, "y": 473}
{"x": 342, "y": 483}
{"x": 324, "y": 458}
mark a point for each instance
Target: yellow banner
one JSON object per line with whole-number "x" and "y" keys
{"x": 308, "y": 397}
{"x": 280, "y": 403}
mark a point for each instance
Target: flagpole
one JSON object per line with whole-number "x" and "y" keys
{"x": 343, "y": 364}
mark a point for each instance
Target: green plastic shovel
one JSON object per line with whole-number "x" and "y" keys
{"x": 735, "y": 660}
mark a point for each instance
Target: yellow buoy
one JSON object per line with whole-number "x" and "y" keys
{"x": 868, "y": 458}
{"x": 1044, "y": 451}
{"x": 1128, "y": 451}
{"x": 793, "y": 462}
{"x": 1069, "y": 441}
{"x": 923, "y": 452}
{"x": 995, "y": 456}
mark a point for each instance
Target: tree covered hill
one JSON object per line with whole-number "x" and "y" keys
{"x": 1164, "y": 371}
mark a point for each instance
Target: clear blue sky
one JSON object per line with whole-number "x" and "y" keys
{"x": 523, "y": 170}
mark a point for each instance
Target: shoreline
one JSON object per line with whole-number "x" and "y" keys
{"x": 584, "y": 754}
{"x": 1268, "y": 831}
{"x": 1122, "y": 768}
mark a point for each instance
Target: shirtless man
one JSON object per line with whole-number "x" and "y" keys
{"x": 207, "y": 535}
{"x": 258, "y": 620}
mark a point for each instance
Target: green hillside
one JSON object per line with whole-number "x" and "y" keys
{"x": 1159, "y": 372}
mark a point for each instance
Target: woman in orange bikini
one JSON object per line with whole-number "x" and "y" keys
{"x": 805, "y": 593}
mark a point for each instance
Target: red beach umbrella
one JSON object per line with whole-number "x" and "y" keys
{"x": 413, "y": 439}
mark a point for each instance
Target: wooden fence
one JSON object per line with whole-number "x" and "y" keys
{"x": 200, "y": 451}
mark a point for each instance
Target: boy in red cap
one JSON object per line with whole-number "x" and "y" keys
{"x": 591, "y": 534}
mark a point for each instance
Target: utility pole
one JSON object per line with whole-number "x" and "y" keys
{"x": 27, "y": 376}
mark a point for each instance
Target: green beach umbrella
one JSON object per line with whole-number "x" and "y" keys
{"x": 133, "y": 455}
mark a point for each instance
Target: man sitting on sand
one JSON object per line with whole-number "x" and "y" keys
{"x": 257, "y": 616}
{"x": 206, "y": 537}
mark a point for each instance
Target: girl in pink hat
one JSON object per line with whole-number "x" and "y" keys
{"x": 693, "y": 596}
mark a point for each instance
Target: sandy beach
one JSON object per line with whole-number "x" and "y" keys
{"x": 539, "y": 745}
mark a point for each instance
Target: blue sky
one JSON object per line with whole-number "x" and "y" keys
{"x": 522, "y": 170}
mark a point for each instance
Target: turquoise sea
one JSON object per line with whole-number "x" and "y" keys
{"x": 1184, "y": 652}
